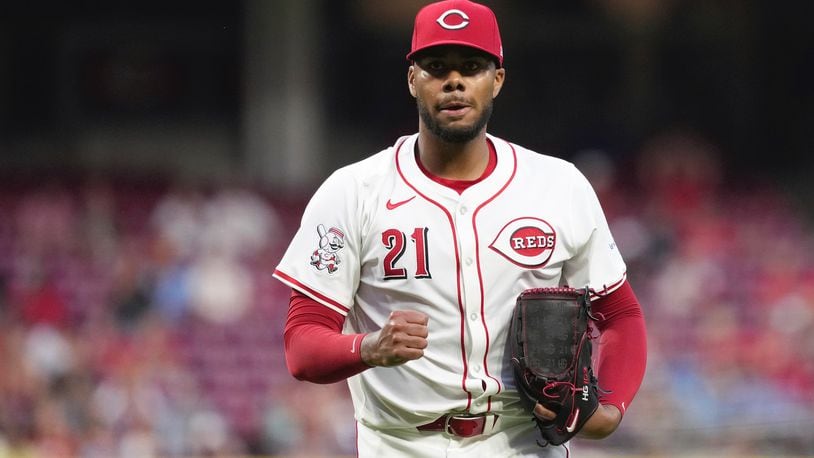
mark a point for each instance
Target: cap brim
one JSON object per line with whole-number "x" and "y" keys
{"x": 412, "y": 55}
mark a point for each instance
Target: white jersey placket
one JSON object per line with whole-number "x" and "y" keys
{"x": 476, "y": 338}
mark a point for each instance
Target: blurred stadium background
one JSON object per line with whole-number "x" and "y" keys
{"x": 155, "y": 157}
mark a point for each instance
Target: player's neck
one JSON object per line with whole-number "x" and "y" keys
{"x": 453, "y": 161}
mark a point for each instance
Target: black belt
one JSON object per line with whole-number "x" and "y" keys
{"x": 461, "y": 425}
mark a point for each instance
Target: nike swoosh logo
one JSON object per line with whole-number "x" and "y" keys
{"x": 393, "y": 206}
{"x": 353, "y": 345}
{"x": 570, "y": 428}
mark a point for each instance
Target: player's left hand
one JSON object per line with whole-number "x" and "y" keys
{"x": 601, "y": 424}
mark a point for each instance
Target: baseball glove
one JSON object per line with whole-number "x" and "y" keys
{"x": 551, "y": 356}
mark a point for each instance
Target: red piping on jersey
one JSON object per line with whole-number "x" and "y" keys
{"x": 316, "y": 295}
{"x": 457, "y": 269}
{"x": 480, "y": 274}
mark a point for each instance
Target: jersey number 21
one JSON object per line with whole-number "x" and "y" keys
{"x": 396, "y": 242}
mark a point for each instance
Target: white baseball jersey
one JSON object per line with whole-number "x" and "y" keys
{"x": 379, "y": 235}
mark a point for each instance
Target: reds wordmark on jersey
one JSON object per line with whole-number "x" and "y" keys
{"x": 408, "y": 242}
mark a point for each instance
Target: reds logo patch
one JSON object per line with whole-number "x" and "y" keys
{"x": 528, "y": 242}
{"x": 326, "y": 257}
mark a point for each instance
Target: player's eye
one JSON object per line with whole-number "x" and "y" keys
{"x": 471, "y": 66}
{"x": 435, "y": 66}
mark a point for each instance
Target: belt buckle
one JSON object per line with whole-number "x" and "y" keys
{"x": 449, "y": 431}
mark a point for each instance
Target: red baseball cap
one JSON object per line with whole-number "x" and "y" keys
{"x": 457, "y": 22}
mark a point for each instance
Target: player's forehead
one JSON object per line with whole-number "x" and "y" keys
{"x": 452, "y": 52}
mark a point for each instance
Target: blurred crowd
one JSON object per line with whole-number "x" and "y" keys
{"x": 139, "y": 318}
{"x": 724, "y": 268}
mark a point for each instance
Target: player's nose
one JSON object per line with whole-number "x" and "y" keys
{"x": 454, "y": 82}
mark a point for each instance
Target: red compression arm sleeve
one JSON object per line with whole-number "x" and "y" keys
{"x": 315, "y": 348}
{"x": 622, "y": 346}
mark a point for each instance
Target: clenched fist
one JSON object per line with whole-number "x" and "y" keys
{"x": 403, "y": 338}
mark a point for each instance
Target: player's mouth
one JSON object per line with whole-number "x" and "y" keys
{"x": 454, "y": 109}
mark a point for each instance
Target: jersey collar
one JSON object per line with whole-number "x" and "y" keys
{"x": 414, "y": 177}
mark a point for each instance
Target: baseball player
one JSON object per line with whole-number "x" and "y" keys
{"x": 407, "y": 264}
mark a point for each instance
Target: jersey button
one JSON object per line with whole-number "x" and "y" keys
{"x": 468, "y": 261}
{"x": 473, "y": 316}
{"x": 463, "y": 210}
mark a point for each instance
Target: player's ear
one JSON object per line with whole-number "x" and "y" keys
{"x": 411, "y": 79}
{"x": 500, "y": 77}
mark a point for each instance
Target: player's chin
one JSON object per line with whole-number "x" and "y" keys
{"x": 457, "y": 125}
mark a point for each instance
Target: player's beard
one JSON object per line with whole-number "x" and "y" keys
{"x": 453, "y": 134}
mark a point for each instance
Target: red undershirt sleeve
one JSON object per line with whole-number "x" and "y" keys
{"x": 622, "y": 350}
{"x": 315, "y": 348}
